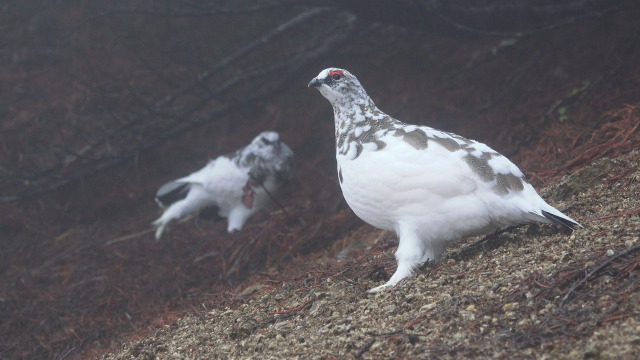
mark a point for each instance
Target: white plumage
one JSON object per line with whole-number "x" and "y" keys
{"x": 235, "y": 186}
{"x": 429, "y": 186}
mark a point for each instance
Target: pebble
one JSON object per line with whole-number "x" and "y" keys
{"x": 510, "y": 306}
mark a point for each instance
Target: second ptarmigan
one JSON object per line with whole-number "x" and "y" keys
{"x": 429, "y": 186}
{"x": 234, "y": 186}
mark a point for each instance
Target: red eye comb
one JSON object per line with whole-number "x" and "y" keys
{"x": 336, "y": 72}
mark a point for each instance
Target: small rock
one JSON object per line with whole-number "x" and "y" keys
{"x": 574, "y": 354}
{"x": 467, "y": 315}
{"x": 593, "y": 353}
{"x": 428, "y": 307}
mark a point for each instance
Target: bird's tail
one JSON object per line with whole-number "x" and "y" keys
{"x": 550, "y": 215}
{"x": 561, "y": 219}
{"x": 172, "y": 192}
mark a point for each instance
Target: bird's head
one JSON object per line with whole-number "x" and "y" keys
{"x": 339, "y": 86}
{"x": 266, "y": 139}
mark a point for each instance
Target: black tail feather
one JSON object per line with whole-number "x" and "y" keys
{"x": 171, "y": 192}
{"x": 560, "y": 220}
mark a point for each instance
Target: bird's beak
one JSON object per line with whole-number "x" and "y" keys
{"x": 315, "y": 83}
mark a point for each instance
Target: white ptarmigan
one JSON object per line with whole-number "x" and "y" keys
{"x": 428, "y": 186}
{"x": 234, "y": 185}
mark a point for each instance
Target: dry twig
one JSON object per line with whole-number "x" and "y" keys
{"x": 597, "y": 270}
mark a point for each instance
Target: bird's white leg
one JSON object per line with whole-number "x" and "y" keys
{"x": 173, "y": 212}
{"x": 237, "y": 218}
{"x": 161, "y": 225}
{"x": 194, "y": 201}
{"x": 409, "y": 255}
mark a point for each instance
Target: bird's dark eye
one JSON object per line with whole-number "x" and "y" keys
{"x": 335, "y": 74}
{"x": 265, "y": 141}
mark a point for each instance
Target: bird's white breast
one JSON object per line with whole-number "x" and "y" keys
{"x": 431, "y": 188}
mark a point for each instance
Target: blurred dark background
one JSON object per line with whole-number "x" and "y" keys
{"x": 103, "y": 101}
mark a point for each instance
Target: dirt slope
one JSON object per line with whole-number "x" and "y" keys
{"x": 502, "y": 299}
{"x": 80, "y": 271}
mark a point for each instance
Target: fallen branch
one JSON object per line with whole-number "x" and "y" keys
{"x": 364, "y": 348}
{"x": 467, "y": 249}
{"x": 630, "y": 212}
{"x": 617, "y": 317}
{"x": 128, "y": 236}
{"x": 397, "y": 332}
{"x": 597, "y": 270}
{"x": 293, "y": 309}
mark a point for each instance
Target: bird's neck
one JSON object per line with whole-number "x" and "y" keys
{"x": 359, "y": 122}
{"x": 352, "y": 113}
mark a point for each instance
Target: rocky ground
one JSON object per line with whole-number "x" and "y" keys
{"x": 538, "y": 292}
